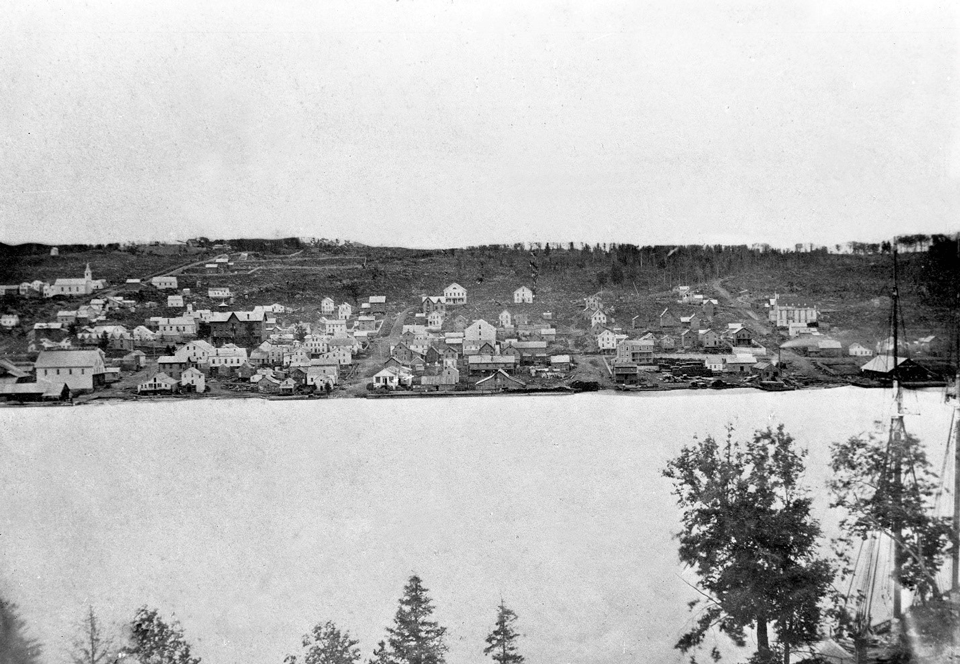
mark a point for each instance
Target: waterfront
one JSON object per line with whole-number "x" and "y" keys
{"x": 252, "y": 520}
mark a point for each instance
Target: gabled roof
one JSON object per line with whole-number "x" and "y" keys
{"x": 882, "y": 364}
{"x": 68, "y": 358}
{"x": 161, "y": 378}
{"x": 8, "y": 367}
{"x": 504, "y": 375}
{"x": 45, "y": 388}
{"x": 491, "y": 359}
{"x": 242, "y": 316}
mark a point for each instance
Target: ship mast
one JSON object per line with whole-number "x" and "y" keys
{"x": 955, "y": 554}
{"x": 895, "y": 447}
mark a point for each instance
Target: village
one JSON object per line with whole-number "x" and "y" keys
{"x": 190, "y": 332}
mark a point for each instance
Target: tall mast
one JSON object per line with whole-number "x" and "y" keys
{"x": 896, "y": 447}
{"x": 955, "y": 571}
{"x": 955, "y": 568}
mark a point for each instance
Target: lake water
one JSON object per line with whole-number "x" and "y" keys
{"x": 252, "y": 520}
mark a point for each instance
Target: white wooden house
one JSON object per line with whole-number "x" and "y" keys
{"x": 523, "y": 295}
{"x": 859, "y": 350}
{"x": 195, "y": 379}
{"x": 455, "y": 294}
{"x": 606, "y": 340}
{"x": 333, "y": 326}
{"x": 164, "y": 283}
{"x": 327, "y": 306}
{"x": 161, "y": 383}
{"x": 228, "y": 356}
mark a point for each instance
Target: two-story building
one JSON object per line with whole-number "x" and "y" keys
{"x": 523, "y": 295}
{"x": 244, "y": 328}
{"x": 455, "y": 294}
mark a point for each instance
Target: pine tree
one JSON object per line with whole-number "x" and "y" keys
{"x": 326, "y": 644}
{"x": 381, "y": 655}
{"x": 502, "y": 641}
{"x": 415, "y": 638}
{"x": 156, "y": 642}
{"x": 16, "y": 647}
{"x": 91, "y": 646}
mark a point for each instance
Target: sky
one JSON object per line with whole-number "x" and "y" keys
{"x": 434, "y": 124}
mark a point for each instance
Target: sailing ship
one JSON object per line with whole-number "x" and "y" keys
{"x": 929, "y": 629}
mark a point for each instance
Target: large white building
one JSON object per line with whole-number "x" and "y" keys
{"x": 787, "y": 309}
{"x": 79, "y": 369}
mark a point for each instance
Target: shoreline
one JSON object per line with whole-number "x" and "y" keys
{"x": 97, "y": 399}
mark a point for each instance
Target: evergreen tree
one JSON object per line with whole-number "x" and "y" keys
{"x": 91, "y": 646}
{"x": 381, "y": 655}
{"x": 326, "y": 644}
{"x": 502, "y": 641}
{"x": 16, "y": 647}
{"x": 156, "y": 642}
{"x": 414, "y": 637}
{"x": 748, "y": 533}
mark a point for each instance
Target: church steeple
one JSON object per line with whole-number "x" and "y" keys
{"x": 87, "y": 274}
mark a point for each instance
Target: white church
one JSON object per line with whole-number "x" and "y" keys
{"x": 73, "y": 287}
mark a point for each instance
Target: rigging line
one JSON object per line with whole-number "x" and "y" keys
{"x": 872, "y": 571}
{"x": 941, "y": 486}
{"x": 856, "y": 565}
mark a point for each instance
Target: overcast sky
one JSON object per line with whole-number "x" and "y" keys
{"x": 419, "y": 123}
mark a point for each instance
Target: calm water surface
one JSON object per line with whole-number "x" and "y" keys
{"x": 251, "y": 521}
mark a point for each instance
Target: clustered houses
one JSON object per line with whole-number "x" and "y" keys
{"x": 238, "y": 345}
{"x": 476, "y": 355}
{"x": 703, "y": 350}
{"x": 251, "y": 347}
